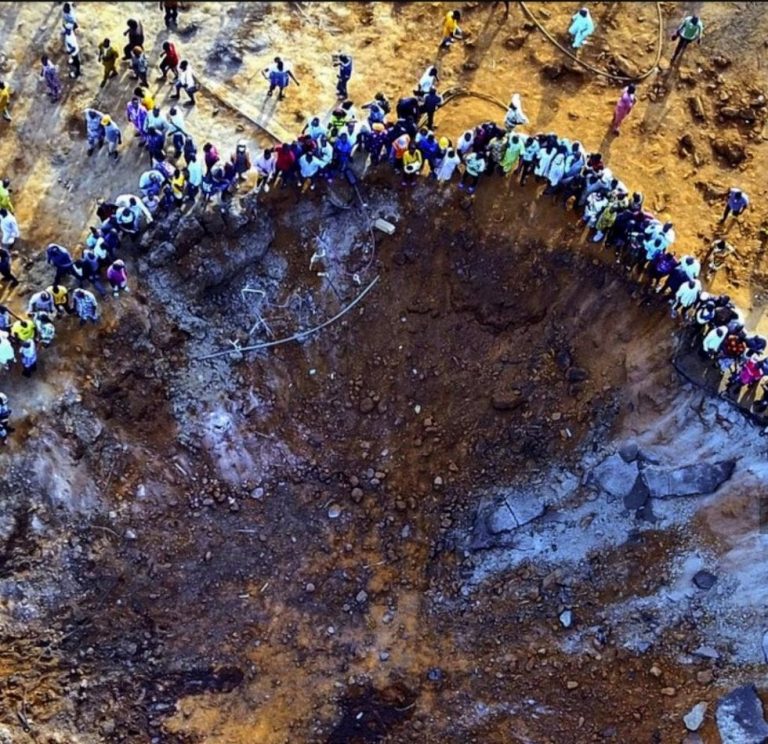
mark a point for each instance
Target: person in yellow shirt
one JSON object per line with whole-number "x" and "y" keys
{"x": 23, "y": 330}
{"x": 60, "y": 298}
{"x": 5, "y": 97}
{"x": 177, "y": 186}
{"x": 413, "y": 161}
{"x": 451, "y": 28}
{"x": 5, "y": 195}
{"x": 145, "y": 97}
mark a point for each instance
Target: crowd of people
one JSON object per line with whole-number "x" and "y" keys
{"x": 401, "y": 137}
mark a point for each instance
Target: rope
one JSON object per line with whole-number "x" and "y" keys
{"x": 597, "y": 70}
{"x": 299, "y": 335}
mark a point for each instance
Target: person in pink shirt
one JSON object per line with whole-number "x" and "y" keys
{"x": 624, "y": 105}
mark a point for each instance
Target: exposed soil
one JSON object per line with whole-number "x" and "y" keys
{"x": 276, "y": 546}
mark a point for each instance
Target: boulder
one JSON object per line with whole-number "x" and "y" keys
{"x": 730, "y": 150}
{"x": 704, "y": 579}
{"x": 161, "y": 254}
{"x": 507, "y": 400}
{"x": 629, "y": 451}
{"x": 691, "y": 480}
{"x": 616, "y": 476}
{"x": 695, "y": 717}
{"x": 740, "y": 717}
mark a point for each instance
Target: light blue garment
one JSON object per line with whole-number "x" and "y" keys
{"x": 582, "y": 26}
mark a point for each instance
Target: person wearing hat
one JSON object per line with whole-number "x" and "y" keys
{"x": 690, "y": 29}
{"x": 344, "y": 63}
{"x": 9, "y": 229}
{"x": 112, "y": 135}
{"x": 432, "y": 102}
{"x": 736, "y": 203}
{"x": 582, "y": 26}
{"x": 108, "y": 57}
{"x": 94, "y": 129}
{"x": 72, "y": 48}
{"x": 117, "y": 277}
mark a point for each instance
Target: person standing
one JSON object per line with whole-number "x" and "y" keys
{"x": 451, "y": 29}
{"x": 736, "y": 203}
{"x": 85, "y": 306}
{"x": 50, "y": 74}
{"x": 117, "y": 277}
{"x": 474, "y": 167}
{"x": 432, "y": 102}
{"x": 171, "y": 10}
{"x": 5, "y": 98}
{"x": 9, "y": 229}
{"x": 72, "y": 48}
{"x": 515, "y": 116}
{"x": 94, "y": 129}
{"x": 108, "y": 57}
{"x": 135, "y": 34}
{"x": 61, "y": 260}
{"x": 6, "y": 271}
{"x": 241, "y": 160}
{"x": 137, "y": 115}
{"x": 690, "y": 29}
{"x": 625, "y": 104}
{"x": 344, "y": 63}
{"x": 5, "y": 195}
{"x": 112, "y": 135}
{"x": 581, "y": 28}
{"x": 185, "y": 80}
{"x": 139, "y": 65}
{"x": 170, "y": 60}
{"x": 279, "y": 75}
{"x": 194, "y": 177}
{"x": 28, "y": 355}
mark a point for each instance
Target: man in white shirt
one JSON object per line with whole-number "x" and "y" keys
{"x": 187, "y": 81}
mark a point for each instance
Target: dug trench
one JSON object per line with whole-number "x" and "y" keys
{"x": 276, "y": 546}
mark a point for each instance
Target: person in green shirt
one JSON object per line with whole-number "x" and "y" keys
{"x": 688, "y": 31}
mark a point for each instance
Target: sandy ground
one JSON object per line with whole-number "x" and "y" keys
{"x": 169, "y": 571}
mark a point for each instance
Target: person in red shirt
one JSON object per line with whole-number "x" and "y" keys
{"x": 211, "y": 155}
{"x": 285, "y": 163}
{"x": 170, "y": 60}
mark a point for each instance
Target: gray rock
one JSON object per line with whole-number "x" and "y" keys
{"x": 695, "y": 717}
{"x": 629, "y": 451}
{"x": 691, "y": 480}
{"x": 566, "y": 618}
{"x": 740, "y": 717}
{"x": 362, "y": 596}
{"x": 616, "y": 476}
{"x": 704, "y": 579}
{"x": 691, "y": 738}
{"x": 707, "y": 652}
{"x": 161, "y": 255}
